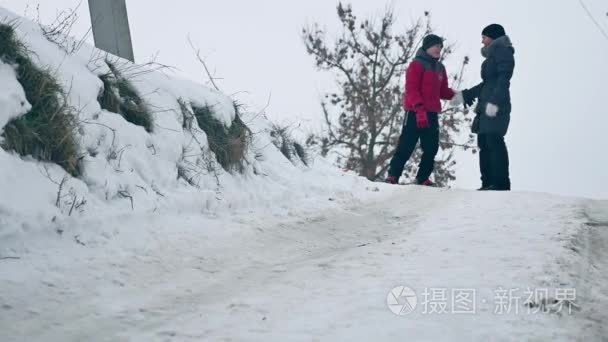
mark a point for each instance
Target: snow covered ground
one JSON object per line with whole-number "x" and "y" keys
{"x": 278, "y": 252}
{"x": 321, "y": 275}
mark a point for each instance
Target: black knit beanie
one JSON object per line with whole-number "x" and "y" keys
{"x": 431, "y": 40}
{"x": 494, "y": 31}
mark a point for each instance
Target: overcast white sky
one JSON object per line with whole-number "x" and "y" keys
{"x": 559, "y": 125}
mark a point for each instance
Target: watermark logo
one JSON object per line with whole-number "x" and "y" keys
{"x": 402, "y": 300}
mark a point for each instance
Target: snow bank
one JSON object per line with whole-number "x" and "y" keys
{"x": 128, "y": 171}
{"x": 12, "y": 97}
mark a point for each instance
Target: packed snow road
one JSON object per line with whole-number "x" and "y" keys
{"x": 478, "y": 266}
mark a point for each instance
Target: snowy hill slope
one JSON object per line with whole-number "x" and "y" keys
{"x": 129, "y": 171}
{"x": 323, "y": 274}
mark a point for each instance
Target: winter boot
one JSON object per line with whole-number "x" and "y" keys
{"x": 498, "y": 188}
{"x": 391, "y": 180}
{"x": 426, "y": 182}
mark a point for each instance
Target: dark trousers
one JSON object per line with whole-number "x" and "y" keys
{"x": 494, "y": 161}
{"x": 429, "y": 142}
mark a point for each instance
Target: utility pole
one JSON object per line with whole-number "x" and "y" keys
{"x": 110, "y": 24}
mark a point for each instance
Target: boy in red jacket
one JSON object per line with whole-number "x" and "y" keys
{"x": 426, "y": 84}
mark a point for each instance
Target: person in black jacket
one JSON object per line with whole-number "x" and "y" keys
{"x": 493, "y": 107}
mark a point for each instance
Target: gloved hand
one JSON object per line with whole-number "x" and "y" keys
{"x": 467, "y": 98}
{"x": 457, "y": 100}
{"x": 491, "y": 110}
{"x": 422, "y": 120}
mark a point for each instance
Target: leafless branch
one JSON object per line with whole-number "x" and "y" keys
{"x": 590, "y": 15}
{"x": 125, "y": 194}
{"x": 202, "y": 61}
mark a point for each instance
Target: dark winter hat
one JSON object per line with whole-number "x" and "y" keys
{"x": 494, "y": 31}
{"x": 431, "y": 40}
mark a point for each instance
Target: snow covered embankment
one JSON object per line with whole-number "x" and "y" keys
{"x": 127, "y": 170}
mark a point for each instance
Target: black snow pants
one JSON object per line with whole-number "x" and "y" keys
{"x": 494, "y": 161}
{"x": 429, "y": 142}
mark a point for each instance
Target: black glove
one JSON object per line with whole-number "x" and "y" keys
{"x": 468, "y": 98}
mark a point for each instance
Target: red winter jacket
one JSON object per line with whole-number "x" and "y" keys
{"x": 426, "y": 84}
